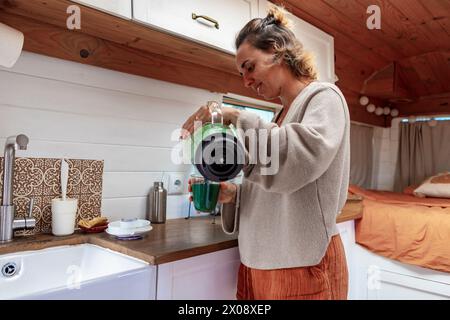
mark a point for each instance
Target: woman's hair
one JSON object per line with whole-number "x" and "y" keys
{"x": 273, "y": 34}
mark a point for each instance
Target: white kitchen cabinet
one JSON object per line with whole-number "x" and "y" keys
{"x": 211, "y": 276}
{"x": 314, "y": 40}
{"x": 177, "y": 17}
{"x": 120, "y": 8}
{"x": 347, "y": 233}
{"x": 375, "y": 277}
{"x": 381, "y": 278}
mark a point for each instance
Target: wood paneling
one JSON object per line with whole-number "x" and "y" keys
{"x": 429, "y": 105}
{"x": 439, "y": 13}
{"x": 120, "y": 31}
{"x": 387, "y": 84}
{"x": 414, "y": 36}
{"x": 65, "y": 44}
{"x": 358, "y": 113}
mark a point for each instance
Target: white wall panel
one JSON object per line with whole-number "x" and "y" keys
{"x": 78, "y": 111}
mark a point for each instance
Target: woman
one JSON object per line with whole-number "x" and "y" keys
{"x": 288, "y": 240}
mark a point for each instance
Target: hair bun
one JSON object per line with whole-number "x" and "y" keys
{"x": 278, "y": 15}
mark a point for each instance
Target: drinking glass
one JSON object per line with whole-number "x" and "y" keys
{"x": 205, "y": 194}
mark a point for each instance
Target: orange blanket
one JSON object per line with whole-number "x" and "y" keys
{"x": 410, "y": 233}
{"x": 399, "y": 198}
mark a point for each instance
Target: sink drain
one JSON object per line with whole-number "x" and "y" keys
{"x": 9, "y": 269}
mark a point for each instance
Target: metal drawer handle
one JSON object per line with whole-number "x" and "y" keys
{"x": 195, "y": 17}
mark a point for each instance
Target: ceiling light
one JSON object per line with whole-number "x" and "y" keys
{"x": 363, "y": 100}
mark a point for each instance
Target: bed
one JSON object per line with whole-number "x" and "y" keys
{"x": 405, "y": 228}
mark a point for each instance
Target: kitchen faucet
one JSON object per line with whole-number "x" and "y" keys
{"x": 7, "y": 222}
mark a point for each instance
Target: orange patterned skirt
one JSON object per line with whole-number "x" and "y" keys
{"x": 326, "y": 281}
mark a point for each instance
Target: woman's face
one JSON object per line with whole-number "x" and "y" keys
{"x": 259, "y": 71}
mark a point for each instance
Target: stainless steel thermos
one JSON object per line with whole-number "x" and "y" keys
{"x": 157, "y": 203}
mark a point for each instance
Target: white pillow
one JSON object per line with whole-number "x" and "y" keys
{"x": 436, "y": 186}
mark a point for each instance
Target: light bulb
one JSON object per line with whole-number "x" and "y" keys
{"x": 379, "y": 111}
{"x": 386, "y": 110}
{"x": 370, "y": 108}
{"x": 363, "y": 100}
{"x": 411, "y": 119}
{"x": 394, "y": 113}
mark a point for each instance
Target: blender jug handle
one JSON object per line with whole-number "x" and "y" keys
{"x": 216, "y": 112}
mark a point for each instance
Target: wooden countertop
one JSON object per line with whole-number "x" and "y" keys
{"x": 175, "y": 240}
{"x": 352, "y": 210}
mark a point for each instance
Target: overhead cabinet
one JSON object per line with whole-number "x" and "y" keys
{"x": 211, "y": 22}
{"x": 120, "y": 8}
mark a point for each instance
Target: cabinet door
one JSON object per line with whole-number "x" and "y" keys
{"x": 320, "y": 44}
{"x": 394, "y": 286}
{"x": 382, "y": 278}
{"x": 347, "y": 233}
{"x": 211, "y": 276}
{"x": 177, "y": 17}
{"x": 121, "y": 8}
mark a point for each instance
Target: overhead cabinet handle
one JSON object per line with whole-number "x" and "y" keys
{"x": 215, "y": 22}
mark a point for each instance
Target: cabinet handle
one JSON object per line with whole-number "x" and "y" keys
{"x": 216, "y": 23}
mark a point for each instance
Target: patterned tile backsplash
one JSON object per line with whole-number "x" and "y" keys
{"x": 40, "y": 179}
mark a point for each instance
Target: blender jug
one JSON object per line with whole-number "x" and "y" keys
{"x": 216, "y": 150}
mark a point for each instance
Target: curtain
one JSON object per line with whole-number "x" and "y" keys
{"x": 423, "y": 151}
{"x": 361, "y": 155}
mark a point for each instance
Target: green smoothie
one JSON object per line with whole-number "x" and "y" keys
{"x": 205, "y": 195}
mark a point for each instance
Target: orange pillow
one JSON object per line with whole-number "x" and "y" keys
{"x": 437, "y": 186}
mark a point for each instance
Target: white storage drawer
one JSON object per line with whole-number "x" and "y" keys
{"x": 121, "y": 8}
{"x": 177, "y": 17}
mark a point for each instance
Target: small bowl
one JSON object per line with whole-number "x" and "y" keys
{"x": 130, "y": 223}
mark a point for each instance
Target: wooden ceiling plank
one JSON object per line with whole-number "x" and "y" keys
{"x": 437, "y": 105}
{"x": 333, "y": 18}
{"x": 351, "y": 73}
{"x": 404, "y": 28}
{"x": 420, "y": 23}
{"x": 102, "y": 25}
{"x": 354, "y": 26}
{"x": 386, "y": 36}
{"x": 439, "y": 63}
{"x": 426, "y": 74}
{"x": 341, "y": 40}
{"x": 440, "y": 11}
{"x": 410, "y": 76}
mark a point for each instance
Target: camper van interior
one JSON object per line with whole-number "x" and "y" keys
{"x": 94, "y": 93}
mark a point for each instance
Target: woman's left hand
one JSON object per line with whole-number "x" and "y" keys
{"x": 227, "y": 193}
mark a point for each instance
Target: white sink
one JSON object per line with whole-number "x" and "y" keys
{"x": 82, "y": 271}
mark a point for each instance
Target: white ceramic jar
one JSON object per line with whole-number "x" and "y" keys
{"x": 64, "y": 213}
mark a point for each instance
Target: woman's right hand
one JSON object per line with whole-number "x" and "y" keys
{"x": 203, "y": 114}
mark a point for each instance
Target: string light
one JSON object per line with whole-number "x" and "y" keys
{"x": 363, "y": 100}
{"x": 370, "y": 108}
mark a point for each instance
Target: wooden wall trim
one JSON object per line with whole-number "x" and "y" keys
{"x": 64, "y": 44}
{"x": 117, "y": 44}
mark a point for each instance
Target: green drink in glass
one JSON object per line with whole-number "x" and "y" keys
{"x": 204, "y": 193}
